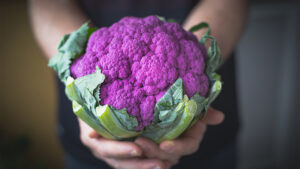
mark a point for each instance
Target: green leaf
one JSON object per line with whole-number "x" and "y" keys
{"x": 204, "y": 103}
{"x": 127, "y": 121}
{"x": 169, "y": 100}
{"x": 200, "y": 26}
{"x": 112, "y": 123}
{"x": 188, "y": 114}
{"x": 90, "y": 119}
{"x": 201, "y": 102}
{"x": 175, "y": 113}
{"x": 85, "y": 91}
{"x": 161, "y": 18}
{"x": 166, "y": 20}
{"x": 168, "y": 111}
{"x": 173, "y": 96}
{"x": 84, "y": 102}
{"x": 214, "y": 57}
{"x": 157, "y": 130}
{"x": 70, "y": 89}
{"x": 172, "y": 20}
{"x": 70, "y": 47}
{"x": 87, "y": 87}
{"x": 215, "y": 90}
{"x": 91, "y": 81}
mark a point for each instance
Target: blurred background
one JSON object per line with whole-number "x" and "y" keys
{"x": 268, "y": 63}
{"x": 268, "y": 66}
{"x": 27, "y": 96}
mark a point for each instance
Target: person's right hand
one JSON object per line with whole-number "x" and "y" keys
{"x": 118, "y": 154}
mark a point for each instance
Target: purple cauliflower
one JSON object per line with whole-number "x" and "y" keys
{"x": 141, "y": 58}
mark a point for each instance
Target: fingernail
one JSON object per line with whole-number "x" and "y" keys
{"x": 134, "y": 153}
{"x": 169, "y": 146}
{"x": 157, "y": 167}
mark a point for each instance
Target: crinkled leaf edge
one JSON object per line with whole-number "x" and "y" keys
{"x": 70, "y": 48}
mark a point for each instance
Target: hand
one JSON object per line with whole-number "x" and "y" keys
{"x": 118, "y": 154}
{"x": 172, "y": 150}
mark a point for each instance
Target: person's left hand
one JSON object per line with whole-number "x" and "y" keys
{"x": 172, "y": 150}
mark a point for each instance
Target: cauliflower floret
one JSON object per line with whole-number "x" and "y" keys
{"x": 141, "y": 58}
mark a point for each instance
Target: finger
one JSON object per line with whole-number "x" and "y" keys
{"x": 94, "y": 134}
{"x": 186, "y": 144}
{"x": 107, "y": 148}
{"x": 85, "y": 133}
{"x": 113, "y": 148}
{"x": 135, "y": 163}
{"x": 197, "y": 131}
{"x": 152, "y": 150}
{"x": 84, "y": 127}
{"x": 213, "y": 117}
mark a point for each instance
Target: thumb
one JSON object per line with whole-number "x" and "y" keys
{"x": 213, "y": 117}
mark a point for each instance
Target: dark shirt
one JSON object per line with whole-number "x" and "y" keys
{"x": 106, "y": 12}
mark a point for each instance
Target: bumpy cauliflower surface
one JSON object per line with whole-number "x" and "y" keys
{"x": 141, "y": 58}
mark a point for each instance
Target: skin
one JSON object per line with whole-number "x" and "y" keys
{"x": 226, "y": 18}
{"x": 51, "y": 19}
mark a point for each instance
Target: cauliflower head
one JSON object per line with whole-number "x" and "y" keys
{"x": 141, "y": 58}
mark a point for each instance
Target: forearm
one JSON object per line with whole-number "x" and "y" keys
{"x": 226, "y": 18}
{"x": 51, "y": 19}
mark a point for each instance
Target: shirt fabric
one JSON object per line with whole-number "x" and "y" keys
{"x": 105, "y": 13}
